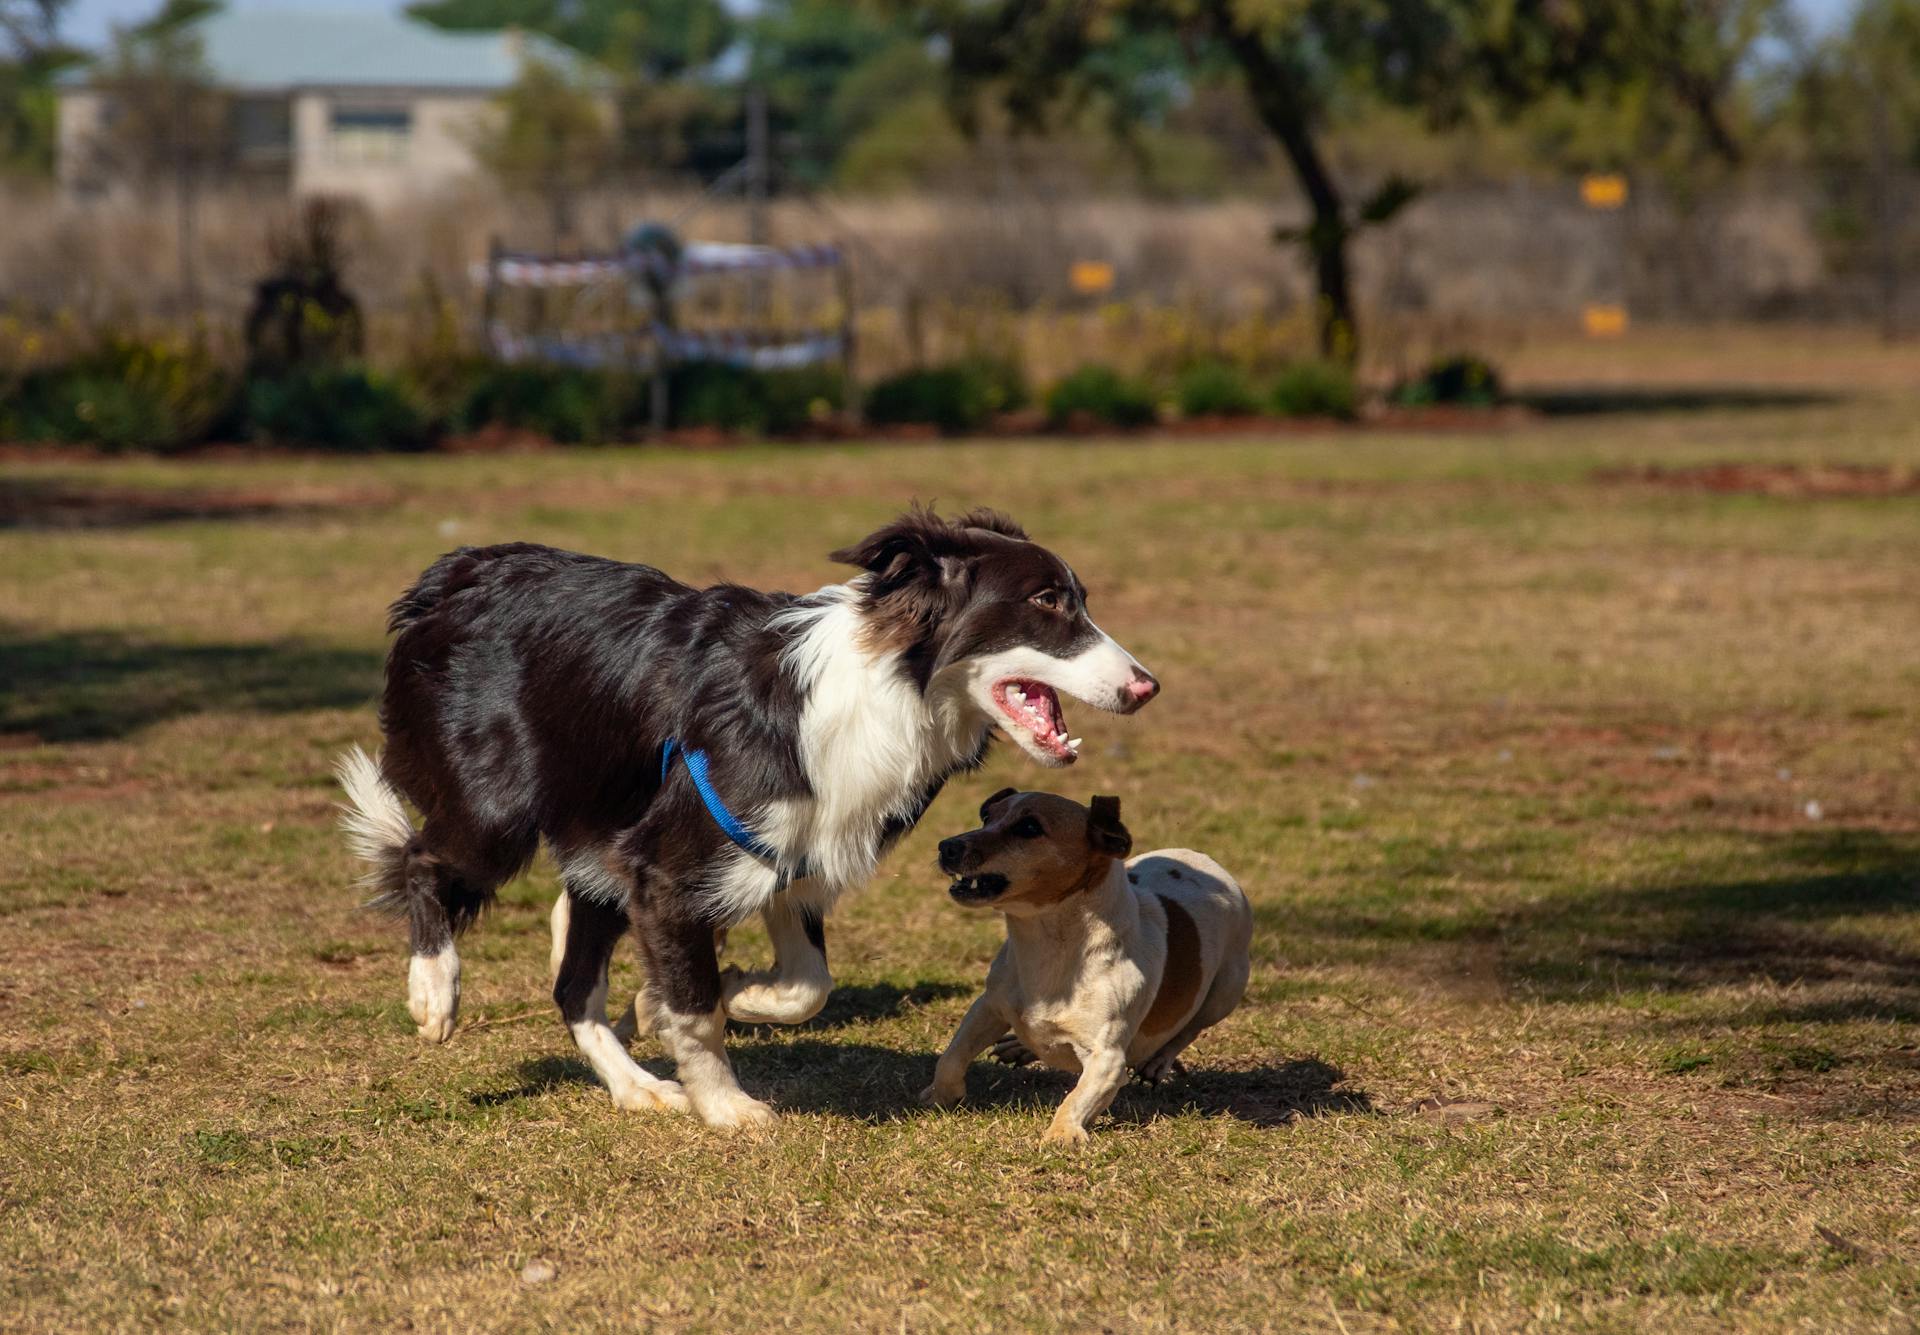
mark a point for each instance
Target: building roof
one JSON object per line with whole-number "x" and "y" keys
{"x": 272, "y": 50}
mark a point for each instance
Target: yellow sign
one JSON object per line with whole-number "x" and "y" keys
{"x": 1091, "y": 277}
{"x": 1602, "y": 321}
{"x": 1605, "y": 191}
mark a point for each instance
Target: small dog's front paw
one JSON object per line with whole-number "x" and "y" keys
{"x": 937, "y": 1095}
{"x": 736, "y": 1112}
{"x": 1065, "y": 1133}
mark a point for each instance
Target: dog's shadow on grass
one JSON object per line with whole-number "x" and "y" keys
{"x": 875, "y": 1084}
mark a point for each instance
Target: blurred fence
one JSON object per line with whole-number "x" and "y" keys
{"x": 1779, "y": 246}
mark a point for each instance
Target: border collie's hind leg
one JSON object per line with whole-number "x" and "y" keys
{"x": 441, "y": 901}
{"x": 627, "y": 1027}
{"x": 580, "y": 990}
{"x": 795, "y": 989}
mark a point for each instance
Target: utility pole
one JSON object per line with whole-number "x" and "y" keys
{"x": 759, "y": 175}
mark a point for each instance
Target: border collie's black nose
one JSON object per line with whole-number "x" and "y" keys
{"x": 951, "y": 851}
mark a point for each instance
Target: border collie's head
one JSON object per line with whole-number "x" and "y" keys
{"x": 973, "y": 604}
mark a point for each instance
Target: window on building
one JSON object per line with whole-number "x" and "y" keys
{"x": 363, "y": 134}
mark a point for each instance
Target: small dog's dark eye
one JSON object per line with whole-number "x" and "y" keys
{"x": 1047, "y": 598}
{"x": 1028, "y": 828}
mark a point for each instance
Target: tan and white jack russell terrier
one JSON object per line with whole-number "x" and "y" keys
{"x": 1110, "y": 963}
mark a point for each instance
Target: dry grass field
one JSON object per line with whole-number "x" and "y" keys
{"x": 1580, "y": 806}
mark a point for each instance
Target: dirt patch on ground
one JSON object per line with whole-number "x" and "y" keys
{"x": 56, "y": 504}
{"x": 1791, "y": 481}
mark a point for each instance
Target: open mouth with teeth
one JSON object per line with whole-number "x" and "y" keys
{"x": 978, "y": 889}
{"x": 1033, "y": 707}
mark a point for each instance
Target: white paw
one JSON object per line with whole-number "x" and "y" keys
{"x": 737, "y": 1112}
{"x": 433, "y": 993}
{"x": 764, "y": 998}
{"x": 1064, "y": 1133}
{"x": 933, "y": 1096}
{"x": 654, "y": 1096}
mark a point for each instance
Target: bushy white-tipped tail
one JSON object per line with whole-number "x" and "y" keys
{"x": 373, "y": 818}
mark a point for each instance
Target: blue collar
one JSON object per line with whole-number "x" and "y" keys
{"x": 730, "y": 825}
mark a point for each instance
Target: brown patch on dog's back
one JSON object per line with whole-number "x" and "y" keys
{"x": 1180, "y": 980}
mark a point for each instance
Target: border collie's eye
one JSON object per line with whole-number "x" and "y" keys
{"x": 1028, "y": 828}
{"x": 1047, "y": 598}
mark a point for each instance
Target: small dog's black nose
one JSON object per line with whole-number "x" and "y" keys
{"x": 950, "y": 851}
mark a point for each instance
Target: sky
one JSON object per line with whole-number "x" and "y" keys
{"x": 88, "y": 22}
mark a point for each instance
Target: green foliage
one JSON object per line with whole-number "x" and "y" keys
{"x": 732, "y": 398}
{"x": 568, "y": 405}
{"x": 1461, "y": 379}
{"x": 1101, "y": 394}
{"x": 1314, "y": 389}
{"x": 801, "y": 397}
{"x": 949, "y": 397}
{"x": 650, "y": 40}
{"x": 336, "y": 408}
{"x": 553, "y": 139}
{"x": 959, "y": 397}
{"x": 127, "y": 394}
{"x": 1215, "y": 389}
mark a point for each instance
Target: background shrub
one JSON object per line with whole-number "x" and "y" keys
{"x": 1004, "y": 378}
{"x": 570, "y": 405}
{"x": 801, "y": 397}
{"x": 126, "y": 394}
{"x": 1314, "y": 389}
{"x": 953, "y": 398}
{"x": 1210, "y": 389}
{"x": 336, "y": 408}
{"x": 1102, "y": 393}
{"x": 1461, "y": 379}
{"x": 733, "y": 398}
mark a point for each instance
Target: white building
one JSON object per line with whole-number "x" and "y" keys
{"x": 371, "y": 105}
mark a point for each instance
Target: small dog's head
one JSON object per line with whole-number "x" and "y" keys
{"x": 1033, "y": 851}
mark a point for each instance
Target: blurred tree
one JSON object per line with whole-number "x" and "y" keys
{"x": 1857, "y": 105}
{"x": 651, "y": 50}
{"x": 165, "y": 126}
{"x": 829, "y": 69}
{"x": 31, "y": 53}
{"x": 1295, "y": 60}
{"x": 552, "y": 140}
{"x": 652, "y": 39}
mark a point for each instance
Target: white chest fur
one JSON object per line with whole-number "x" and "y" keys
{"x": 870, "y": 742}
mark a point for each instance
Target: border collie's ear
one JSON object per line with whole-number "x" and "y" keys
{"x": 912, "y": 547}
{"x": 1104, "y": 830}
{"x": 986, "y": 807}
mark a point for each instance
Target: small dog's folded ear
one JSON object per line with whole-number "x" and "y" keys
{"x": 986, "y": 807}
{"x": 1104, "y": 830}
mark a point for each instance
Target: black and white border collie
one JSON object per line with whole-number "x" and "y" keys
{"x": 532, "y": 693}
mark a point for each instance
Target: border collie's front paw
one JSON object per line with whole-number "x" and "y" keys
{"x": 654, "y": 1096}
{"x": 763, "y": 997}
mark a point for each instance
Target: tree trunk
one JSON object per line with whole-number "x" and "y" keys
{"x": 1277, "y": 101}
